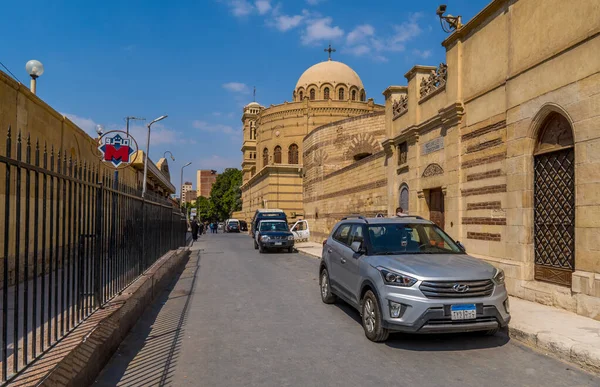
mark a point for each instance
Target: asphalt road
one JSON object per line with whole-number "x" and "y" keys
{"x": 239, "y": 318}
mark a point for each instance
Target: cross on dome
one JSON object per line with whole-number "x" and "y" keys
{"x": 329, "y": 51}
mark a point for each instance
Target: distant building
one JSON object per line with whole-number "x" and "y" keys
{"x": 190, "y": 196}
{"x": 187, "y": 186}
{"x": 205, "y": 180}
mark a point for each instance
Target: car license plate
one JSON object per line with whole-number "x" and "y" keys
{"x": 278, "y": 243}
{"x": 463, "y": 312}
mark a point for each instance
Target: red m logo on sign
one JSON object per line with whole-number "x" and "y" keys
{"x": 112, "y": 153}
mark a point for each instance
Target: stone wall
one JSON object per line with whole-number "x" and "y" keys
{"x": 335, "y": 183}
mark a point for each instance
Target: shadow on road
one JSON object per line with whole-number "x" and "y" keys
{"x": 149, "y": 354}
{"x": 434, "y": 342}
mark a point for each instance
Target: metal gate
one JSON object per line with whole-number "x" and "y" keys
{"x": 554, "y": 216}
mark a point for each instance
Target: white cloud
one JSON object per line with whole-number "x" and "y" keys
{"x": 358, "y": 50}
{"x": 263, "y": 6}
{"x": 217, "y": 114}
{"x": 284, "y": 22}
{"x": 320, "y": 29}
{"x": 87, "y": 124}
{"x": 360, "y": 34}
{"x": 237, "y": 87}
{"x": 240, "y": 8}
{"x": 364, "y": 41}
{"x": 424, "y": 54}
{"x": 158, "y": 135}
{"x": 314, "y": 2}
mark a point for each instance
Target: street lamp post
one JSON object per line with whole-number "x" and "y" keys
{"x": 147, "y": 151}
{"x": 169, "y": 152}
{"x": 34, "y": 68}
{"x": 181, "y": 188}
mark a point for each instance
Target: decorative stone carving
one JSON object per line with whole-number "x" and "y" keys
{"x": 556, "y": 134}
{"x": 400, "y": 107}
{"x": 435, "y": 80}
{"x": 433, "y": 170}
{"x": 361, "y": 145}
{"x": 320, "y": 157}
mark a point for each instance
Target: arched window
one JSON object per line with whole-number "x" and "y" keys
{"x": 293, "y": 154}
{"x": 363, "y": 97}
{"x": 312, "y": 94}
{"x": 301, "y": 96}
{"x": 277, "y": 155}
{"x": 341, "y": 94}
{"x": 265, "y": 157}
{"x": 404, "y": 198}
{"x": 354, "y": 95}
{"x": 326, "y": 93}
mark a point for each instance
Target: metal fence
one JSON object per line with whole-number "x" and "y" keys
{"x": 71, "y": 238}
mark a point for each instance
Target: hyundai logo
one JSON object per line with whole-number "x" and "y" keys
{"x": 461, "y": 288}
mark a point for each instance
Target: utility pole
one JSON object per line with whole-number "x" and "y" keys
{"x": 128, "y": 118}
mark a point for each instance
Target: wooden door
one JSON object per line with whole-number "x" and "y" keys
{"x": 436, "y": 207}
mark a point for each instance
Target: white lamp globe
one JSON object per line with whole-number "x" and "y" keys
{"x": 35, "y": 68}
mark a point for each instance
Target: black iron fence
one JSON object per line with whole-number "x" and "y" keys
{"x": 71, "y": 238}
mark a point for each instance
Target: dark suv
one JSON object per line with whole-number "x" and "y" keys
{"x": 273, "y": 234}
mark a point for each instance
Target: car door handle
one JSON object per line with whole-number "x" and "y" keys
{"x": 342, "y": 260}
{"x": 329, "y": 251}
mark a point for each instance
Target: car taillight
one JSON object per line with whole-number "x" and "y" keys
{"x": 324, "y": 242}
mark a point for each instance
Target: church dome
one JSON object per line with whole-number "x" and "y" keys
{"x": 329, "y": 80}
{"x": 330, "y": 71}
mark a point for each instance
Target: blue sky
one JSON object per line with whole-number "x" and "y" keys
{"x": 197, "y": 61}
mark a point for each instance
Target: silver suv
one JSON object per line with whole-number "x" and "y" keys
{"x": 407, "y": 275}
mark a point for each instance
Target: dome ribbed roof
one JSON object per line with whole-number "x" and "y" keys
{"x": 330, "y": 72}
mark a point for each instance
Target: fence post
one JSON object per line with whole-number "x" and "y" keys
{"x": 98, "y": 257}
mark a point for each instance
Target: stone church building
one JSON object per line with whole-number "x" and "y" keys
{"x": 499, "y": 145}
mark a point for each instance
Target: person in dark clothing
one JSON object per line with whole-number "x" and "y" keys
{"x": 195, "y": 228}
{"x": 200, "y": 228}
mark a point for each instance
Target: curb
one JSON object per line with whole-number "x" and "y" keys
{"x": 85, "y": 351}
{"x": 308, "y": 254}
{"x": 560, "y": 347}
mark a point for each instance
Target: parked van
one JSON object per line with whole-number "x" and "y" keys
{"x": 265, "y": 214}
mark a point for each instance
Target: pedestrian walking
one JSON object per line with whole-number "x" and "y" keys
{"x": 195, "y": 228}
{"x": 200, "y": 228}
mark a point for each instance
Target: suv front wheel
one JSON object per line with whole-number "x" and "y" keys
{"x": 371, "y": 318}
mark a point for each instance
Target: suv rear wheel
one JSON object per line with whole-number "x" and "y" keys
{"x": 326, "y": 295}
{"x": 371, "y": 318}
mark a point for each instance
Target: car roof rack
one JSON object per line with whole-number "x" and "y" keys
{"x": 356, "y": 217}
{"x": 412, "y": 216}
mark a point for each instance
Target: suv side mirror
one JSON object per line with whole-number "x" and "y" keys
{"x": 460, "y": 245}
{"x": 357, "y": 247}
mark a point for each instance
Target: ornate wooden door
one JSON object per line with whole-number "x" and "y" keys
{"x": 554, "y": 216}
{"x": 436, "y": 207}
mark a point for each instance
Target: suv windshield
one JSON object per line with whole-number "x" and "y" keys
{"x": 410, "y": 239}
{"x": 273, "y": 226}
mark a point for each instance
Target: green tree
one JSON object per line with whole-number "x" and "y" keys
{"x": 225, "y": 195}
{"x": 205, "y": 208}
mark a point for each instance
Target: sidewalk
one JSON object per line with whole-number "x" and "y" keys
{"x": 553, "y": 331}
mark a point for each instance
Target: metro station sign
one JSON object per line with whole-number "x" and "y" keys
{"x": 117, "y": 148}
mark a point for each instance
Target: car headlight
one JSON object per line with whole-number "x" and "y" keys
{"x": 290, "y": 238}
{"x": 264, "y": 238}
{"x": 499, "y": 277}
{"x": 396, "y": 279}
